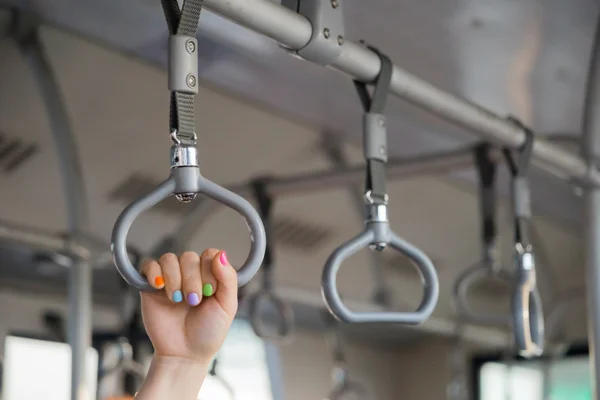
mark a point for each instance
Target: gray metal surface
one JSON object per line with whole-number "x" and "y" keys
{"x": 526, "y": 58}
{"x": 591, "y": 149}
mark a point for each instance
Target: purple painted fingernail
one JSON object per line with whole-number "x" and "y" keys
{"x": 193, "y": 299}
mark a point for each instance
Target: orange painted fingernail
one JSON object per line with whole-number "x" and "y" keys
{"x": 159, "y": 281}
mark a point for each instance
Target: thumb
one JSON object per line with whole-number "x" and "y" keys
{"x": 226, "y": 293}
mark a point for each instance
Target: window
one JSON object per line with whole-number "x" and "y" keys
{"x": 41, "y": 369}
{"x": 562, "y": 379}
{"x": 247, "y": 364}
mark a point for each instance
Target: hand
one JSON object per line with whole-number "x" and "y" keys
{"x": 190, "y": 318}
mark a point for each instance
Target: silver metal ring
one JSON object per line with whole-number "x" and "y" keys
{"x": 175, "y": 139}
{"x": 369, "y": 198}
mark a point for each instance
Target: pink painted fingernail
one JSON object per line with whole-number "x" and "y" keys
{"x": 193, "y": 299}
{"x": 223, "y": 259}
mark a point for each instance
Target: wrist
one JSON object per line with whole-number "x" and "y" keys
{"x": 173, "y": 377}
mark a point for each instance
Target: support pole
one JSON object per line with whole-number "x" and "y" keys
{"x": 79, "y": 321}
{"x": 294, "y": 31}
{"x": 591, "y": 152}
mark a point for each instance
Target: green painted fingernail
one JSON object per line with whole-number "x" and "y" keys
{"x": 207, "y": 289}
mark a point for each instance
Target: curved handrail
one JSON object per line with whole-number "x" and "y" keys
{"x": 377, "y": 233}
{"x": 463, "y": 284}
{"x": 186, "y": 180}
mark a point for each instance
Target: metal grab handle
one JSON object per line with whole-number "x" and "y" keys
{"x": 528, "y": 315}
{"x": 371, "y": 236}
{"x": 285, "y": 317}
{"x": 461, "y": 289}
{"x": 350, "y": 390}
{"x": 186, "y": 180}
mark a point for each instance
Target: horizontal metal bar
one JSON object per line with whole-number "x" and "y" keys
{"x": 404, "y": 167}
{"x": 294, "y": 31}
{"x": 43, "y": 240}
{"x": 85, "y": 247}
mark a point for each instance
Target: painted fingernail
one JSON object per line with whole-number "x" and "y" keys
{"x": 223, "y": 259}
{"x": 193, "y": 299}
{"x": 207, "y": 289}
{"x": 177, "y": 296}
{"x": 159, "y": 282}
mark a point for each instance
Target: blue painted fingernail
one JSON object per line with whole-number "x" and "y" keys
{"x": 177, "y": 296}
{"x": 193, "y": 299}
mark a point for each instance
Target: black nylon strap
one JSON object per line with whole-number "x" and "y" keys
{"x": 486, "y": 169}
{"x": 519, "y": 169}
{"x": 265, "y": 205}
{"x": 376, "y": 178}
{"x": 520, "y": 166}
{"x": 376, "y": 181}
{"x": 376, "y": 103}
{"x": 182, "y": 21}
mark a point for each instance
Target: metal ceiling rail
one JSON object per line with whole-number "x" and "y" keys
{"x": 591, "y": 150}
{"x": 294, "y": 31}
{"x": 401, "y": 167}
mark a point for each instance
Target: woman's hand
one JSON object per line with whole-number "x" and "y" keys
{"x": 190, "y": 318}
{"x": 188, "y": 321}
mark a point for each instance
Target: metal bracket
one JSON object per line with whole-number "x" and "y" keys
{"x": 375, "y": 138}
{"x": 183, "y": 64}
{"x": 327, "y": 20}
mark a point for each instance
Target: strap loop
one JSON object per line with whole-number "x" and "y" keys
{"x": 374, "y": 130}
{"x": 264, "y": 202}
{"x": 183, "y": 22}
{"x": 486, "y": 169}
{"x": 521, "y": 197}
{"x": 376, "y": 104}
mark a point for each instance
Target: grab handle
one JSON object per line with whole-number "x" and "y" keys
{"x": 186, "y": 181}
{"x": 348, "y": 390}
{"x": 463, "y": 284}
{"x": 285, "y": 317}
{"x": 528, "y": 316}
{"x": 375, "y": 234}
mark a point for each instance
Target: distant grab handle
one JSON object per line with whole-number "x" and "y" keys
{"x": 283, "y": 330}
{"x": 461, "y": 289}
{"x": 528, "y": 316}
{"x": 186, "y": 181}
{"x": 375, "y": 234}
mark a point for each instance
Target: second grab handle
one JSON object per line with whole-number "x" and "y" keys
{"x": 365, "y": 239}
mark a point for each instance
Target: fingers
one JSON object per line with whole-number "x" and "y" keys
{"x": 151, "y": 270}
{"x": 226, "y": 277}
{"x": 191, "y": 277}
{"x": 209, "y": 282}
{"x": 169, "y": 264}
